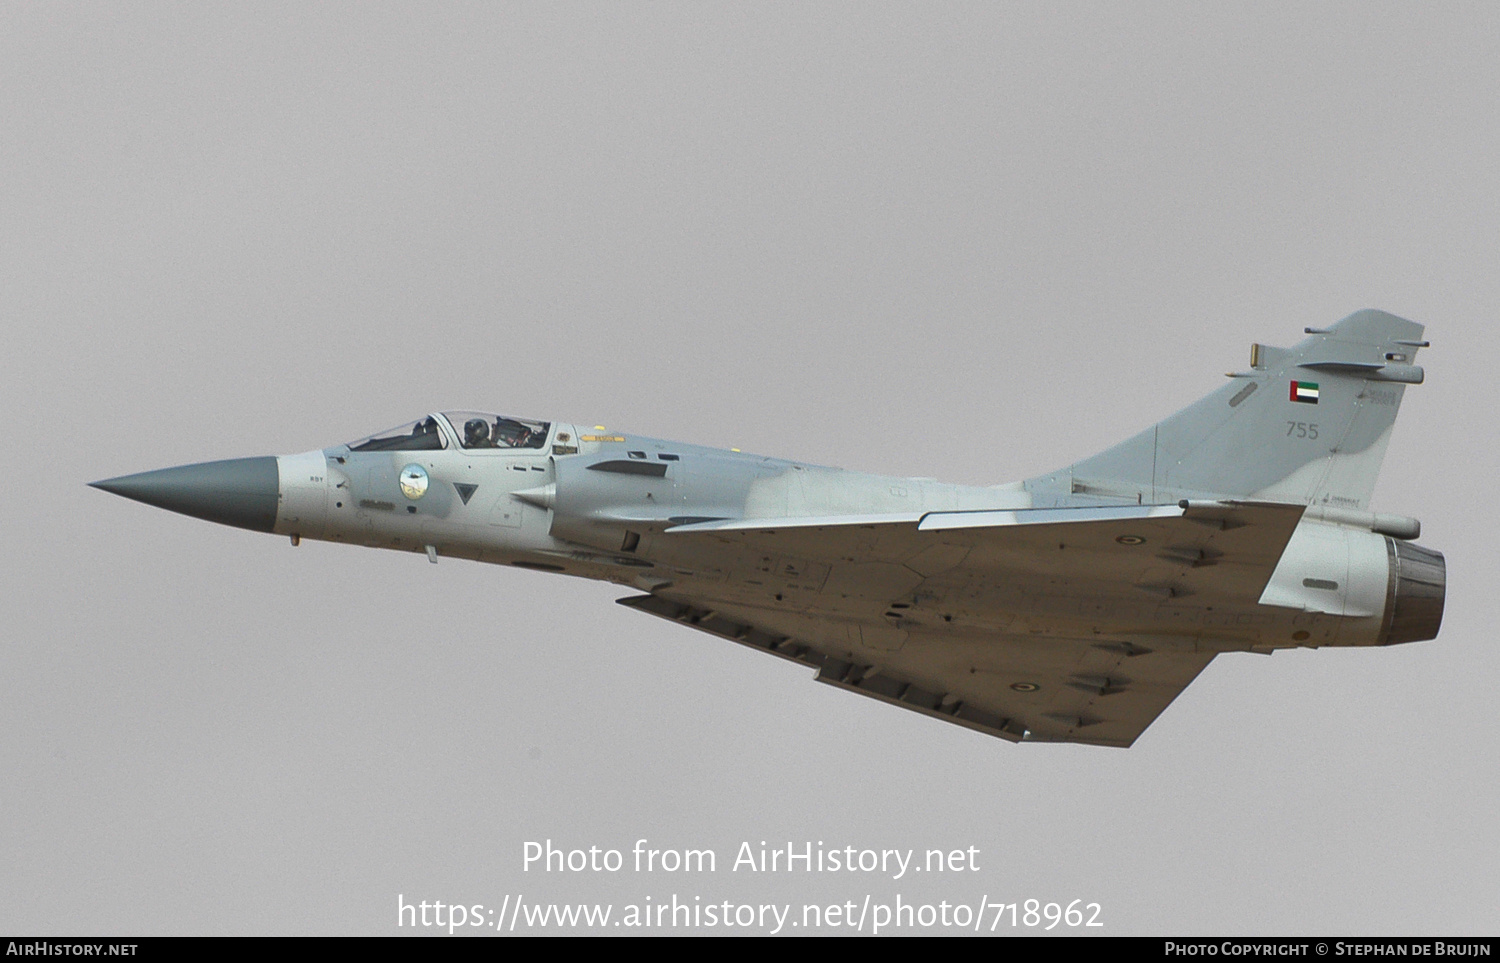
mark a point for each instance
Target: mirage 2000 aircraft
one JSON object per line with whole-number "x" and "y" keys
{"x": 1071, "y": 607}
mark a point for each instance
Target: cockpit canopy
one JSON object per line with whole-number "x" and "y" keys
{"x": 472, "y": 430}
{"x": 420, "y": 435}
{"x": 476, "y": 429}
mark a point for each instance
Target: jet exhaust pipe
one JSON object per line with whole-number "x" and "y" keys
{"x": 1415, "y": 593}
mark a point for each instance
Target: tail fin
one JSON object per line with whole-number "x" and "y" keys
{"x": 1306, "y": 425}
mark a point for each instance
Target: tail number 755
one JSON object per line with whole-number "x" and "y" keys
{"x": 1301, "y": 429}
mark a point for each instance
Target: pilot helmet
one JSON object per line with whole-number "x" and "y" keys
{"x": 476, "y": 432}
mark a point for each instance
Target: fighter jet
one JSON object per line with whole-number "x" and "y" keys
{"x": 1070, "y": 607}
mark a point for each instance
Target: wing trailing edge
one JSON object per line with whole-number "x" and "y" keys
{"x": 1213, "y": 549}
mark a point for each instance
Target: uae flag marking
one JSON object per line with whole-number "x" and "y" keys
{"x": 1305, "y": 392}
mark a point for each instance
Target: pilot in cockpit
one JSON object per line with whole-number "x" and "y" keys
{"x": 477, "y": 434}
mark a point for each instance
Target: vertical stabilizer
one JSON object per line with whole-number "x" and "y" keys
{"x": 1306, "y": 425}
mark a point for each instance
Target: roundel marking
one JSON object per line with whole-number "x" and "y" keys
{"x": 1131, "y": 540}
{"x": 414, "y": 481}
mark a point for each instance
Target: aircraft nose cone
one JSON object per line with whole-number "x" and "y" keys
{"x": 242, "y": 492}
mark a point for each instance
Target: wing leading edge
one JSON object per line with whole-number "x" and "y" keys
{"x": 1095, "y": 693}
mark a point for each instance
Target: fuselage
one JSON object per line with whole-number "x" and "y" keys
{"x": 602, "y": 504}
{"x": 591, "y": 502}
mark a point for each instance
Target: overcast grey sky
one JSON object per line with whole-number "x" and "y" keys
{"x": 970, "y": 241}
